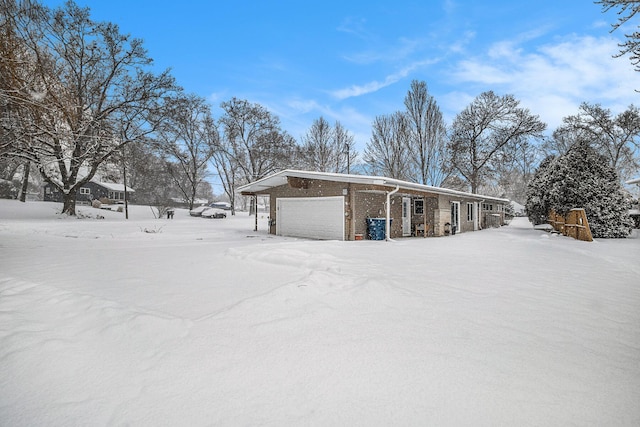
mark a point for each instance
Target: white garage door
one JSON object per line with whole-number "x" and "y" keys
{"x": 311, "y": 217}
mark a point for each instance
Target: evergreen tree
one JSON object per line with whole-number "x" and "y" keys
{"x": 537, "y": 204}
{"x": 589, "y": 182}
{"x": 582, "y": 178}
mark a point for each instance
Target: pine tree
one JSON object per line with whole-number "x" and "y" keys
{"x": 582, "y": 178}
{"x": 537, "y": 204}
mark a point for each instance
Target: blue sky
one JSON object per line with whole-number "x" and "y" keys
{"x": 353, "y": 60}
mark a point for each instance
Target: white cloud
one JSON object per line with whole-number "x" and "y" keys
{"x": 601, "y": 24}
{"x": 404, "y": 48}
{"x": 374, "y": 86}
{"x": 555, "y": 78}
{"x": 356, "y": 27}
{"x": 358, "y": 90}
{"x": 460, "y": 45}
{"x": 449, "y": 7}
{"x": 303, "y": 106}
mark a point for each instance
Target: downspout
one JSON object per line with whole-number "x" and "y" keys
{"x": 387, "y": 228}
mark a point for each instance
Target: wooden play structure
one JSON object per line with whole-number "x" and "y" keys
{"x": 573, "y": 224}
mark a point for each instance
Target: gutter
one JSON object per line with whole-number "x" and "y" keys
{"x": 387, "y": 228}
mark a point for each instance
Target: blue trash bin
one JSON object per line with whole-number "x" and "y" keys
{"x": 376, "y": 228}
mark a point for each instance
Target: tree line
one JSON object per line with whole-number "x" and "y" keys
{"x": 78, "y": 98}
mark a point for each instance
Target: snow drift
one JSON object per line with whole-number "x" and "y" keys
{"x": 207, "y": 323}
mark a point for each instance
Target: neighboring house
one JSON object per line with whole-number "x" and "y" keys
{"x": 518, "y": 209}
{"x": 635, "y": 209}
{"x": 90, "y": 191}
{"x": 335, "y": 206}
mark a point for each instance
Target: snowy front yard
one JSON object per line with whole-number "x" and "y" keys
{"x": 205, "y": 322}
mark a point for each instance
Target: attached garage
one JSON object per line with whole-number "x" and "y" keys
{"x": 311, "y": 217}
{"x": 335, "y": 206}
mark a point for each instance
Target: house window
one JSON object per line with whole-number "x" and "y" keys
{"x": 487, "y": 207}
{"x": 469, "y": 211}
{"x": 418, "y": 206}
{"x": 85, "y": 190}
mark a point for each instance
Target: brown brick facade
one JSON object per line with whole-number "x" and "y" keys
{"x": 363, "y": 201}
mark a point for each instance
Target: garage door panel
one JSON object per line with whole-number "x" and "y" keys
{"x": 311, "y": 217}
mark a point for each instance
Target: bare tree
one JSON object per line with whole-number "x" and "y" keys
{"x": 90, "y": 94}
{"x": 326, "y": 148}
{"x": 319, "y": 150}
{"x": 626, "y": 9}
{"x": 616, "y": 137}
{"x": 188, "y": 137}
{"x": 482, "y": 131}
{"x": 17, "y": 80}
{"x": 147, "y": 173}
{"x": 562, "y": 139}
{"x": 16, "y": 75}
{"x": 253, "y": 139}
{"x": 252, "y": 145}
{"x": 512, "y": 175}
{"x": 388, "y": 151}
{"x": 228, "y": 172}
{"x": 428, "y": 134}
{"x": 344, "y": 145}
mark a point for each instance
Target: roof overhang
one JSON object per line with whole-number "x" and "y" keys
{"x": 262, "y": 186}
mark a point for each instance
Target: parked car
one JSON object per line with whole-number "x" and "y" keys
{"x": 221, "y": 205}
{"x": 213, "y": 213}
{"x": 198, "y": 211}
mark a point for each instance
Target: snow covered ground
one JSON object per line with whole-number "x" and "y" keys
{"x": 205, "y": 322}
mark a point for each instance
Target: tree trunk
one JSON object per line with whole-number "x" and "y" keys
{"x": 25, "y": 182}
{"x": 475, "y": 182}
{"x": 69, "y": 203}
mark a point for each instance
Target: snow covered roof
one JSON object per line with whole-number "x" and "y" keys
{"x": 517, "y": 207}
{"x": 113, "y": 186}
{"x": 280, "y": 178}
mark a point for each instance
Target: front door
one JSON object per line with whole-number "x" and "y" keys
{"x": 455, "y": 217}
{"x": 406, "y": 216}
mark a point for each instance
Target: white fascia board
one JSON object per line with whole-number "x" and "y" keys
{"x": 280, "y": 178}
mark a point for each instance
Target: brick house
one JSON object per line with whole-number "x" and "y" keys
{"x": 334, "y": 206}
